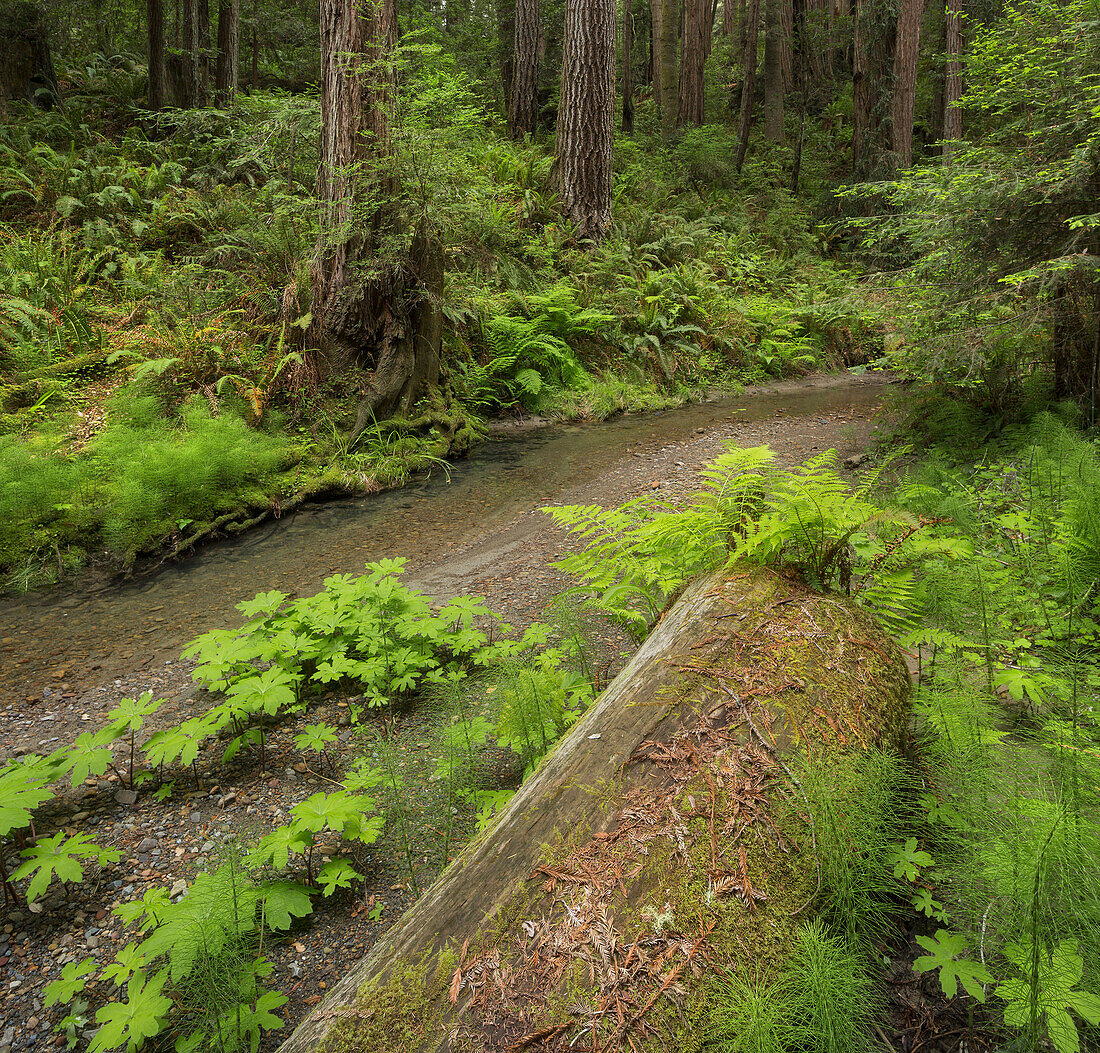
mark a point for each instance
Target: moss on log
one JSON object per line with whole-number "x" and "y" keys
{"x": 662, "y": 844}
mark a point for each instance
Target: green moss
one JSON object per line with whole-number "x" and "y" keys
{"x": 394, "y": 1014}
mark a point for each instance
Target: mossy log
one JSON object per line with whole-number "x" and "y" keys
{"x": 663, "y": 844}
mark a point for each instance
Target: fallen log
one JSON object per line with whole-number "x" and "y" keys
{"x": 664, "y": 840}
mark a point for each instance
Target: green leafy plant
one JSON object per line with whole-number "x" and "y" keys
{"x": 59, "y": 857}
{"x": 944, "y": 949}
{"x": 1047, "y": 994}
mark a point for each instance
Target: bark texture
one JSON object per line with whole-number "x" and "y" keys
{"x": 872, "y": 59}
{"x": 666, "y": 60}
{"x": 586, "y": 116}
{"x": 158, "y": 75}
{"x": 787, "y": 52}
{"x": 694, "y": 50}
{"x": 227, "y": 72}
{"x": 506, "y": 32}
{"x": 628, "y": 68}
{"x": 523, "y": 113}
{"x": 371, "y": 310}
{"x": 26, "y": 65}
{"x": 190, "y": 82}
{"x": 953, "y": 83}
{"x": 774, "y": 85}
{"x": 906, "y": 54}
{"x": 541, "y": 935}
{"x": 748, "y": 80}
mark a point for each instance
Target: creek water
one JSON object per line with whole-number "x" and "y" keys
{"x": 56, "y": 637}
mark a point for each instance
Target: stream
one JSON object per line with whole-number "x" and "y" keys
{"x": 451, "y": 527}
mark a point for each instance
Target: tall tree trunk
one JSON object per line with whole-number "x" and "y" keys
{"x": 229, "y": 51}
{"x": 786, "y": 34}
{"x": 586, "y": 115}
{"x": 26, "y": 64}
{"x": 158, "y": 75}
{"x": 628, "y": 68}
{"x": 728, "y": 21}
{"x": 952, "y": 92}
{"x": 694, "y": 48}
{"x": 506, "y": 34}
{"x": 905, "y": 79}
{"x": 773, "y": 70}
{"x": 872, "y": 60}
{"x": 748, "y": 79}
{"x": 369, "y": 311}
{"x": 191, "y": 91}
{"x": 204, "y": 49}
{"x": 254, "y": 75}
{"x": 655, "y": 50}
{"x": 666, "y": 59}
{"x": 523, "y": 111}
{"x": 814, "y": 41}
{"x": 862, "y": 84}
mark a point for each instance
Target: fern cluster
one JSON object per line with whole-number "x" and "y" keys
{"x": 807, "y": 522}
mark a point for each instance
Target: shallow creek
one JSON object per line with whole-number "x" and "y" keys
{"x": 450, "y": 527}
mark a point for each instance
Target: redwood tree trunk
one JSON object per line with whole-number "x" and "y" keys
{"x": 694, "y": 48}
{"x": 158, "y": 76}
{"x": 786, "y": 36}
{"x": 773, "y": 71}
{"x": 523, "y": 111}
{"x": 254, "y": 79}
{"x": 655, "y": 50}
{"x": 191, "y": 87}
{"x": 368, "y": 311}
{"x": 952, "y": 92}
{"x": 628, "y": 68}
{"x": 666, "y": 60}
{"x": 204, "y": 49}
{"x": 905, "y": 79}
{"x": 586, "y": 115}
{"x": 875, "y": 33}
{"x": 748, "y": 79}
{"x": 26, "y": 65}
{"x": 229, "y": 49}
{"x": 506, "y": 32}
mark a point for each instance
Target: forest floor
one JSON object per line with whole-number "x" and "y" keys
{"x": 165, "y": 843}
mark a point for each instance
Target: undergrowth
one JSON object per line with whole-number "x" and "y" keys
{"x": 169, "y": 257}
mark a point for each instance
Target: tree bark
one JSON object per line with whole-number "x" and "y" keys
{"x": 787, "y": 51}
{"x": 748, "y": 80}
{"x": 952, "y": 92}
{"x": 666, "y": 60}
{"x": 774, "y": 89}
{"x": 204, "y": 49}
{"x": 26, "y": 65}
{"x": 227, "y": 74}
{"x": 370, "y": 311}
{"x": 729, "y": 23}
{"x": 506, "y": 34}
{"x": 694, "y": 49}
{"x": 158, "y": 75}
{"x": 906, "y": 54}
{"x": 628, "y": 68}
{"x": 655, "y": 50}
{"x": 872, "y": 61}
{"x": 586, "y": 116}
{"x": 190, "y": 87}
{"x": 523, "y": 113}
{"x": 542, "y": 934}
